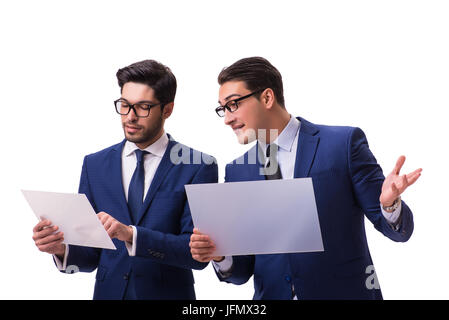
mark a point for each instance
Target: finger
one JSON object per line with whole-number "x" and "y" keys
{"x": 44, "y": 223}
{"x": 202, "y": 248}
{"x": 102, "y": 216}
{"x": 202, "y": 244}
{"x": 45, "y": 232}
{"x": 107, "y": 224}
{"x": 412, "y": 174}
{"x": 203, "y": 251}
{"x": 111, "y": 231}
{"x": 114, "y": 229}
{"x": 196, "y": 231}
{"x": 50, "y": 239}
{"x": 412, "y": 179}
{"x": 50, "y": 246}
{"x": 196, "y": 237}
{"x": 105, "y": 218}
{"x": 399, "y": 164}
{"x": 200, "y": 238}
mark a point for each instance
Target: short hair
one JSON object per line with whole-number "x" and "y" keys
{"x": 152, "y": 73}
{"x": 257, "y": 73}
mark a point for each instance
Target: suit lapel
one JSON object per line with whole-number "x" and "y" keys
{"x": 164, "y": 166}
{"x": 117, "y": 182}
{"x": 306, "y": 150}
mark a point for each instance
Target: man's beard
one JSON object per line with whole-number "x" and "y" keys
{"x": 145, "y": 135}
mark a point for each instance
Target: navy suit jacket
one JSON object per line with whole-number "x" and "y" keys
{"x": 162, "y": 267}
{"x": 347, "y": 183}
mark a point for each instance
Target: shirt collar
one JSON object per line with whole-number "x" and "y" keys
{"x": 287, "y": 137}
{"x": 157, "y": 148}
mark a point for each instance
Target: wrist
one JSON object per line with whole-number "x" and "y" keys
{"x": 392, "y": 206}
{"x": 218, "y": 259}
{"x": 60, "y": 253}
{"x": 130, "y": 234}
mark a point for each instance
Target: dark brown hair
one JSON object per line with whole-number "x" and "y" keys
{"x": 257, "y": 73}
{"x": 152, "y": 73}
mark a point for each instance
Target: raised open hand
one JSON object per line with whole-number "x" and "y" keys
{"x": 395, "y": 184}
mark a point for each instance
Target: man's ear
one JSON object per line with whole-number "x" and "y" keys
{"x": 168, "y": 109}
{"x": 267, "y": 98}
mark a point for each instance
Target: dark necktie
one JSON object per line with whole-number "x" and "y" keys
{"x": 273, "y": 172}
{"x": 136, "y": 187}
{"x": 271, "y": 167}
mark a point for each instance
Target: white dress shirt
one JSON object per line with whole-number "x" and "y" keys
{"x": 129, "y": 162}
{"x": 288, "y": 143}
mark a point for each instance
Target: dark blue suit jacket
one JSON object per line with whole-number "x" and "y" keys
{"x": 347, "y": 182}
{"x": 162, "y": 266}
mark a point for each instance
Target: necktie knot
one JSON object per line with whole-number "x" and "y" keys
{"x": 140, "y": 154}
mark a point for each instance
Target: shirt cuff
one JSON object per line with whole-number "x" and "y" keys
{"x": 131, "y": 247}
{"x": 62, "y": 265}
{"x": 223, "y": 266}
{"x": 393, "y": 217}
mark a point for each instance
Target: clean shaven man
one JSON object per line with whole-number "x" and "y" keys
{"x": 137, "y": 189}
{"x": 348, "y": 185}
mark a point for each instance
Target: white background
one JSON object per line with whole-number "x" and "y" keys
{"x": 379, "y": 65}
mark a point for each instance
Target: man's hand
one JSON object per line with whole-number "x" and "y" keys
{"x": 115, "y": 228}
{"x": 202, "y": 247}
{"x": 394, "y": 185}
{"x": 47, "y": 239}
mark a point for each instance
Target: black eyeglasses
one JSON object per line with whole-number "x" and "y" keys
{"x": 233, "y": 105}
{"x": 141, "y": 109}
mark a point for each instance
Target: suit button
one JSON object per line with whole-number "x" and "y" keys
{"x": 288, "y": 279}
{"x": 126, "y": 276}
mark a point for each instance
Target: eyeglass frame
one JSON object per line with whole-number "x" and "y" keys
{"x": 132, "y": 106}
{"x": 236, "y": 101}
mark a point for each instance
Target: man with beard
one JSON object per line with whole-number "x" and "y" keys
{"x": 137, "y": 189}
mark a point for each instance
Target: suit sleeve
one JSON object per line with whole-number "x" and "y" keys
{"x": 86, "y": 259}
{"x": 367, "y": 179}
{"x": 170, "y": 248}
{"x": 242, "y": 266}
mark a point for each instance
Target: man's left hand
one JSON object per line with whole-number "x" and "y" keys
{"x": 115, "y": 228}
{"x": 394, "y": 185}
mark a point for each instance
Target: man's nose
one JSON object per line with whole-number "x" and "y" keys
{"x": 132, "y": 116}
{"x": 229, "y": 117}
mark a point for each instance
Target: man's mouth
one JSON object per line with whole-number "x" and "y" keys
{"x": 131, "y": 129}
{"x": 237, "y": 127}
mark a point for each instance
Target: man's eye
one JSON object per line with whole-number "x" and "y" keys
{"x": 143, "y": 106}
{"x": 232, "y": 104}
